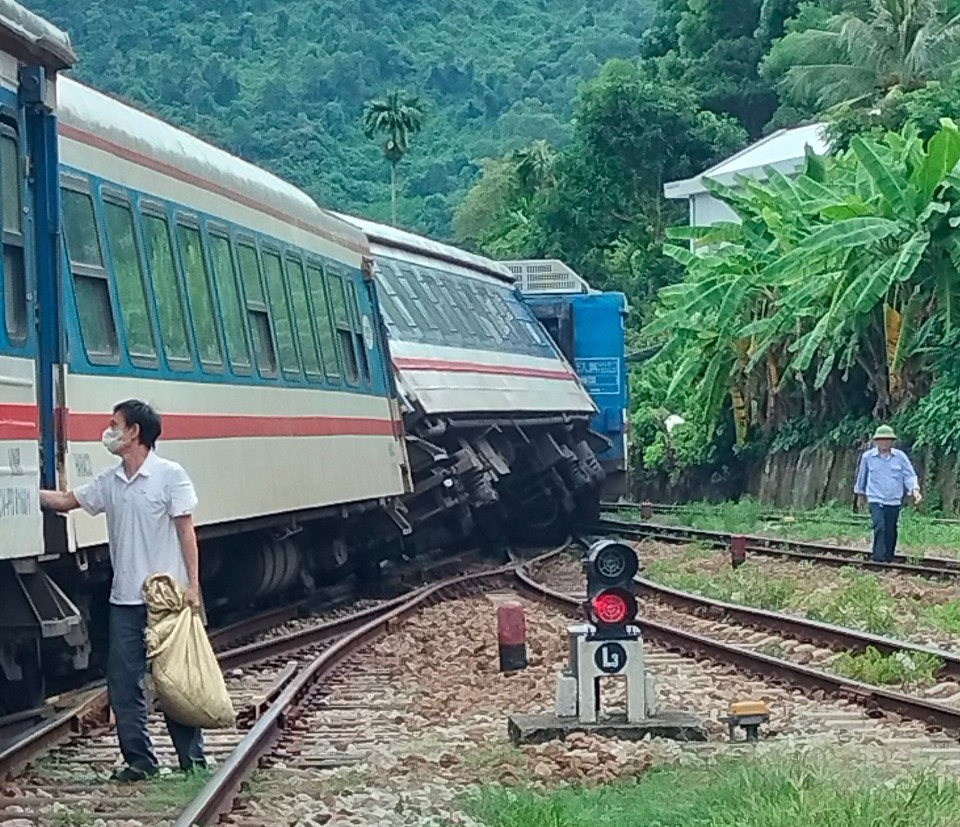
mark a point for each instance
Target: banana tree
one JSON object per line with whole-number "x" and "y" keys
{"x": 850, "y": 266}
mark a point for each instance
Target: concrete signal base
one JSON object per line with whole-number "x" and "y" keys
{"x": 538, "y": 729}
{"x": 578, "y": 706}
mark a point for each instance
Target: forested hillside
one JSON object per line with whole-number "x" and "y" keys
{"x": 284, "y": 84}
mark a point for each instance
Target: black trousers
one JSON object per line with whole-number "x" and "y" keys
{"x": 885, "y": 519}
{"x": 126, "y": 673}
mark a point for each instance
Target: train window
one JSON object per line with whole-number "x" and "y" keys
{"x": 225, "y": 278}
{"x": 257, "y": 311}
{"x": 466, "y": 325}
{"x": 325, "y": 329}
{"x": 14, "y": 273}
{"x": 302, "y": 316}
{"x": 96, "y": 316}
{"x": 166, "y": 288}
{"x": 407, "y": 280}
{"x": 280, "y": 311}
{"x": 396, "y": 310}
{"x": 358, "y": 330}
{"x": 405, "y": 295}
{"x": 338, "y": 300}
{"x": 90, "y": 281}
{"x": 80, "y": 227}
{"x": 432, "y": 293}
{"x": 480, "y": 313}
{"x": 499, "y": 314}
{"x": 131, "y": 288}
{"x": 205, "y": 325}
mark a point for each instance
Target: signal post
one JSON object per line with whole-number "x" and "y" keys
{"x": 609, "y": 645}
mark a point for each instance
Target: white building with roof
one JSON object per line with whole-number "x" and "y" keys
{"x": 783, "y": 150}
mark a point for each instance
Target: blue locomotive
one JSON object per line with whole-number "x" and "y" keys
{"x": 589, "y": 327}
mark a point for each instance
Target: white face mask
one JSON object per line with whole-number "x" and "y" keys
{"x": 113, "y": 440}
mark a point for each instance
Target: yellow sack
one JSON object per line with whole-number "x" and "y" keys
{"x": 186, "y": 675}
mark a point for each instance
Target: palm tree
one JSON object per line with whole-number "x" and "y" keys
{"x": 397, "y": 116}
{"x": 896, "y": 45}
{"x": 534, "y": 166}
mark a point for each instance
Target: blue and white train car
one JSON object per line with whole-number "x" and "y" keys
{"x": 230, "y": 301}
{"x": 484, "y": 388}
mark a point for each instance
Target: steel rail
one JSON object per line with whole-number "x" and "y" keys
{"x": 873, "y": 697}
{"x": 55, "y": 726}
{"x": 773, "y": 514}
{"x": 217, "y": 796}
{"x": 822, "y": 553}
{"x": 800, "y": 628}
{"x": 58, "y": 724}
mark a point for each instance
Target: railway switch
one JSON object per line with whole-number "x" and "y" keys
{"x": 748, "y": 715}
{"x": 511, "y": 637}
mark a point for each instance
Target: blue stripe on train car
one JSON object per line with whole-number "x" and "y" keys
{"x": 590, "y": 329}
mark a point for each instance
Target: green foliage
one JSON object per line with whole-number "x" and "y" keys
{"x": 714, "y": 47}
{"x": 865, "y": 52}
{"x": 943, "y": 616}
{"x": 812, "y": 790}
{"x": 396, "y": 117}
{"x": 924, "y": 108}
{"x": 919, "y": 532}
{"x": 740, "y": 586}
{"x": 898, "y": 668}
{"x": 285, "y": 84}
{"x": 794, "y": 297}
{"x": 597, "y": 203}
{"x": 861, "y": 602}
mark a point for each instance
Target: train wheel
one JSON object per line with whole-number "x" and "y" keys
{"x": 30, "y": 690}
{"x": 541, "y": 523}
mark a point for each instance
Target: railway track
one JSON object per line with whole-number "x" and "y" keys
{"x": 742, "y": 654}
{"x": 301, "y": 711}
{"x": 820, "y": 553}
{"x": 853, "y": 519}
{"x": 268, "y": 678}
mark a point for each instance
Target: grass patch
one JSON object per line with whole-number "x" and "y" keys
{"x": 730, "y": 585}
{"x": 942, "y": 616}
{"x": 918, "y": 531}
{"x": 172, "y": 792}
{"x": 164, "y": 795}
{"x": 860, "y": 601}
{"x": 898, "y": 668}
{"x": 794, "y": 792}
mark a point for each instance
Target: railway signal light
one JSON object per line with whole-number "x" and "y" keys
{"x": 611, "y": 604}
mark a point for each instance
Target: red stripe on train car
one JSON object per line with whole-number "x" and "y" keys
{"x": 85, "y": 427}
{"x": 18, "y": 421}
{"x": 407, "y": 363}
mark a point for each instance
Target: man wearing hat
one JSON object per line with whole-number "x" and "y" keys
{"x": 885, "y": 476}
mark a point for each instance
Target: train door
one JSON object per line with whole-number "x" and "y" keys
{"x": 21, "y": 521}
{"x": 39, "y": 624}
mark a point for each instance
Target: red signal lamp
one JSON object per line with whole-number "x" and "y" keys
{"x": 614, "y": 607}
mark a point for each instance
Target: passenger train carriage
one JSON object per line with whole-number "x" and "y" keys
{"x": 335, "y": 403}
{"x": 494, "y": 413}
{"x": 232, "y": 303}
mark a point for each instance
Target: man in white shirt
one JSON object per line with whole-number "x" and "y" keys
{"x": 149, "y": 503}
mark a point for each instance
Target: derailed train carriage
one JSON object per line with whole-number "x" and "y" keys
{"x": 330, "y": 417}
{"x": 497, "y": 422}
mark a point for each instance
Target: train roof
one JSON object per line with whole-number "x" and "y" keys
{"x": 115, "y": 125}
{"x": 397, "y": 239}
{"x": 27, "y": 35}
